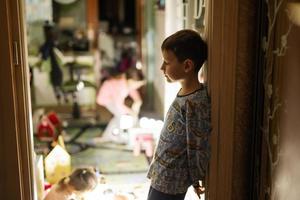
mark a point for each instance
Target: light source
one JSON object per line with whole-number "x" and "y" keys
{"x": 65, "y": 1}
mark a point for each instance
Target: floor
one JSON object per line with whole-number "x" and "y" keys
{"x": 124, "y": 174}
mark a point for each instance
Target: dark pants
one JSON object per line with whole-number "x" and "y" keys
{"x": 157, "y": 195}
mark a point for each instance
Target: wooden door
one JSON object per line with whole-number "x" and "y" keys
{"x": 16, "y": 141}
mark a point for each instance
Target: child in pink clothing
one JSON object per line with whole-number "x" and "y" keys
{"x": 112, "y": 95}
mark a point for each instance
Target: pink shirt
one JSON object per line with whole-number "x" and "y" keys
{"x": 114, "y": 91}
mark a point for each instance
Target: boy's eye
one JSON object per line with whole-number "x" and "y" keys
{"x": 165, "y": 63}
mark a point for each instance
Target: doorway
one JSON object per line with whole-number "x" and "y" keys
{"x": 69, "y": 66}
{"x": 28, "y": 134}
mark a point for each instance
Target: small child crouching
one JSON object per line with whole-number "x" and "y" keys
{"x": 75, "y": 186}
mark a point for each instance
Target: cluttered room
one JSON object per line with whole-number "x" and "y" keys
{"x": 91, "y": 113}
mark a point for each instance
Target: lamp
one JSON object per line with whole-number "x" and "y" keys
{"x": 65, "y": 1}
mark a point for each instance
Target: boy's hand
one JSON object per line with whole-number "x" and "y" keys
{"x": 199, "y": 190}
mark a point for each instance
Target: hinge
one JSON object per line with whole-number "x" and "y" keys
{"x": 16, "y": 53}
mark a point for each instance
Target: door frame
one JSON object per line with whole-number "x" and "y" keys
{"x": 222, "y": 40}
{"x": 16, "y": 149}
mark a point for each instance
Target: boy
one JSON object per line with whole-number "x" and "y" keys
{"x": 183, "y": 151}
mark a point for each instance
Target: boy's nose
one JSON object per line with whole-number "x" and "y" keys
{"x": 162, "y": 67}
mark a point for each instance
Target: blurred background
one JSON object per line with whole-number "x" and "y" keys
{"x": 87, "y": 58}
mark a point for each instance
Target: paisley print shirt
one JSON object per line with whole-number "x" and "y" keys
{"x": 183, "y": 150}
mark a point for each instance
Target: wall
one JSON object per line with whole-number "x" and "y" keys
{"x": 148, "y": 52}
{"x": 73, "y": 15}
{"x": 159, "y": 80}
{"x": 287, "y": 176}
{"x": 173, "y": 23}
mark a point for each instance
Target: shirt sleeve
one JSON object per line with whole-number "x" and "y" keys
{"x": 198, "y": 128}
{"x": 134, "y": 94}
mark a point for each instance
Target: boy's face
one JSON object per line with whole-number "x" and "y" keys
{"x": 171, "y": 67}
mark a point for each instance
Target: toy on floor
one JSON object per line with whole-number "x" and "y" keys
{"x": 48, "y": 130}
{"x": 57, "y": 164}
{"x": 49, "y": 127}
{"x": 144, "y": 142}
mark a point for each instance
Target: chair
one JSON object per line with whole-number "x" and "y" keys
{"x": 75, "y": 82}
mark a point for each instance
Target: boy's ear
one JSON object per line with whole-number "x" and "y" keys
{"x": 188, "y": 65}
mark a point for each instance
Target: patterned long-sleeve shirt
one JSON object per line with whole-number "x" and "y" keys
{"x": 183, "y": 150}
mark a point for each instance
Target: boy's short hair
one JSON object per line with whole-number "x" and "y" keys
{"x": 187, "y": 44}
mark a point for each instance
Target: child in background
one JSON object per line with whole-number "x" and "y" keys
{"x": 112, "y": 95}
{"x": 183, "y": 151}
{"x": 75, "y": 186}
